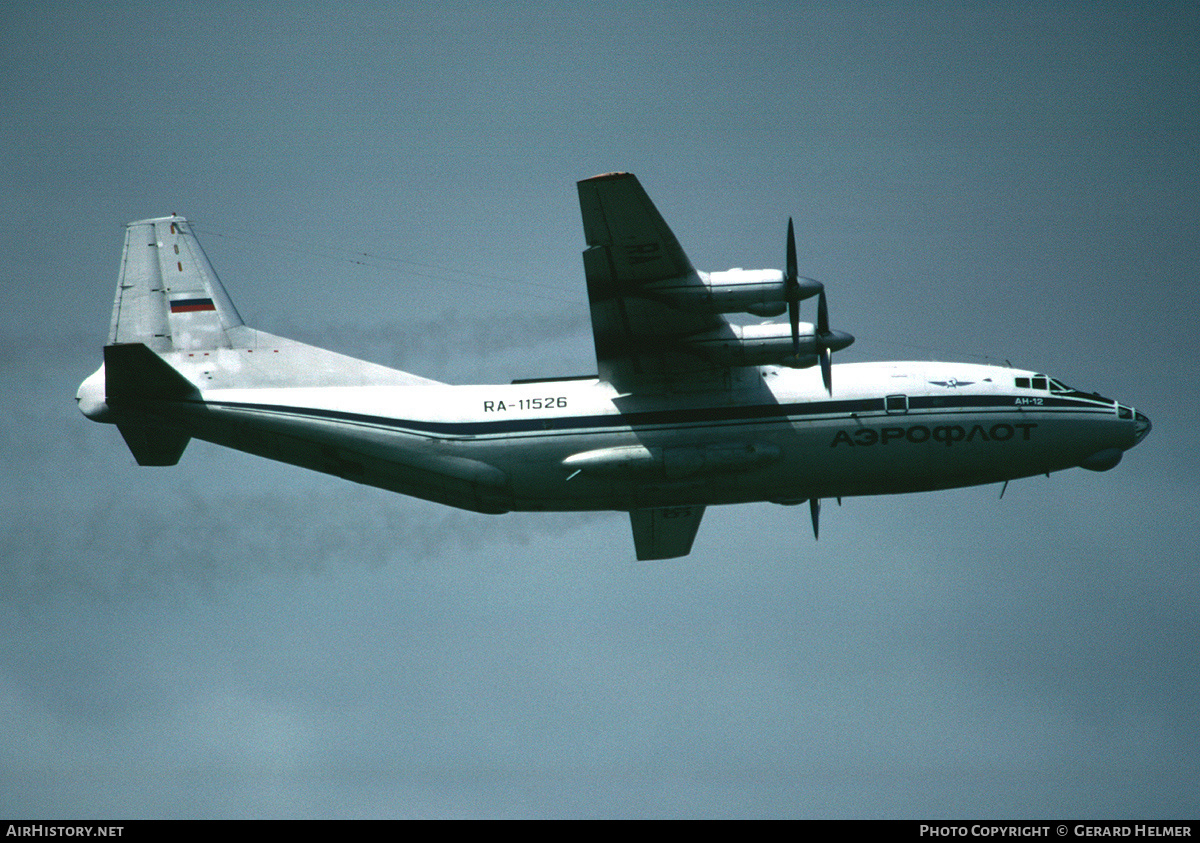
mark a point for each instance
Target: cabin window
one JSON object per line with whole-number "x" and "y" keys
{"x": 896, "y": 404}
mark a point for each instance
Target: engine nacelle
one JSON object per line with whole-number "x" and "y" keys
{"x": 757, "y": 291}
{"x": 757, "y": 345}
{"x": 766, "y": 344}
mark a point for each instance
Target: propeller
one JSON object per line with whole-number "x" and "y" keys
{"x": 814, "y": 509}
{"x": 795, "y": 290}
{"x": 823, "y": 347}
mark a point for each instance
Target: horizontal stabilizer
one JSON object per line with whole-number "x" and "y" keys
{"x": 132, "y": 370}
{"x": 154, "y": 445}
{"x": 665, "y": 532}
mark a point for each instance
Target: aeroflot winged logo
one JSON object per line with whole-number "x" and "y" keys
{"x": 692, "y": 405}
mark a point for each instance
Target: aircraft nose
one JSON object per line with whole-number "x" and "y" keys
{"x": 1141, "y": 426}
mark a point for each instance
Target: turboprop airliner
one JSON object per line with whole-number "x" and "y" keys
{"x": 687, "y": 409}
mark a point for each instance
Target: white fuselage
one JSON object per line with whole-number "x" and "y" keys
{"x": 688, "y": 408}
{"x": 579, "y": 445}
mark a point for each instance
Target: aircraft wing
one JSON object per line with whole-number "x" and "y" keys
{"x": 630, "y": 252}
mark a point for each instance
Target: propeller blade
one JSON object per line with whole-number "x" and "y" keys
{"x": 823, "y": 338}
{"x": 792, "y": 270}
{"x": 794, "y": 318}
{"x": 791, "y": 288}
{"x": 814, "y": 508}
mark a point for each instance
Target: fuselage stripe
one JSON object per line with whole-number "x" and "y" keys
{"x": 691, "y": 417}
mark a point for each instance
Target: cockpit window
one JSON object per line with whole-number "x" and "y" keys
{"x": 1055, "y": 386}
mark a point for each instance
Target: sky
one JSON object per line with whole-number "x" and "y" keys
{"x": 236, "y": 638}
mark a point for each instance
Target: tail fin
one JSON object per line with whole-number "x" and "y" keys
{"x": 174, "y": 332}
{"x": 168, "y": 295}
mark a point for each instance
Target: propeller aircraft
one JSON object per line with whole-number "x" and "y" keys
{"x": 687, "y": 409}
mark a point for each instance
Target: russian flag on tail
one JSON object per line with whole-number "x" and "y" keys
{"x": 192, "y": 305}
